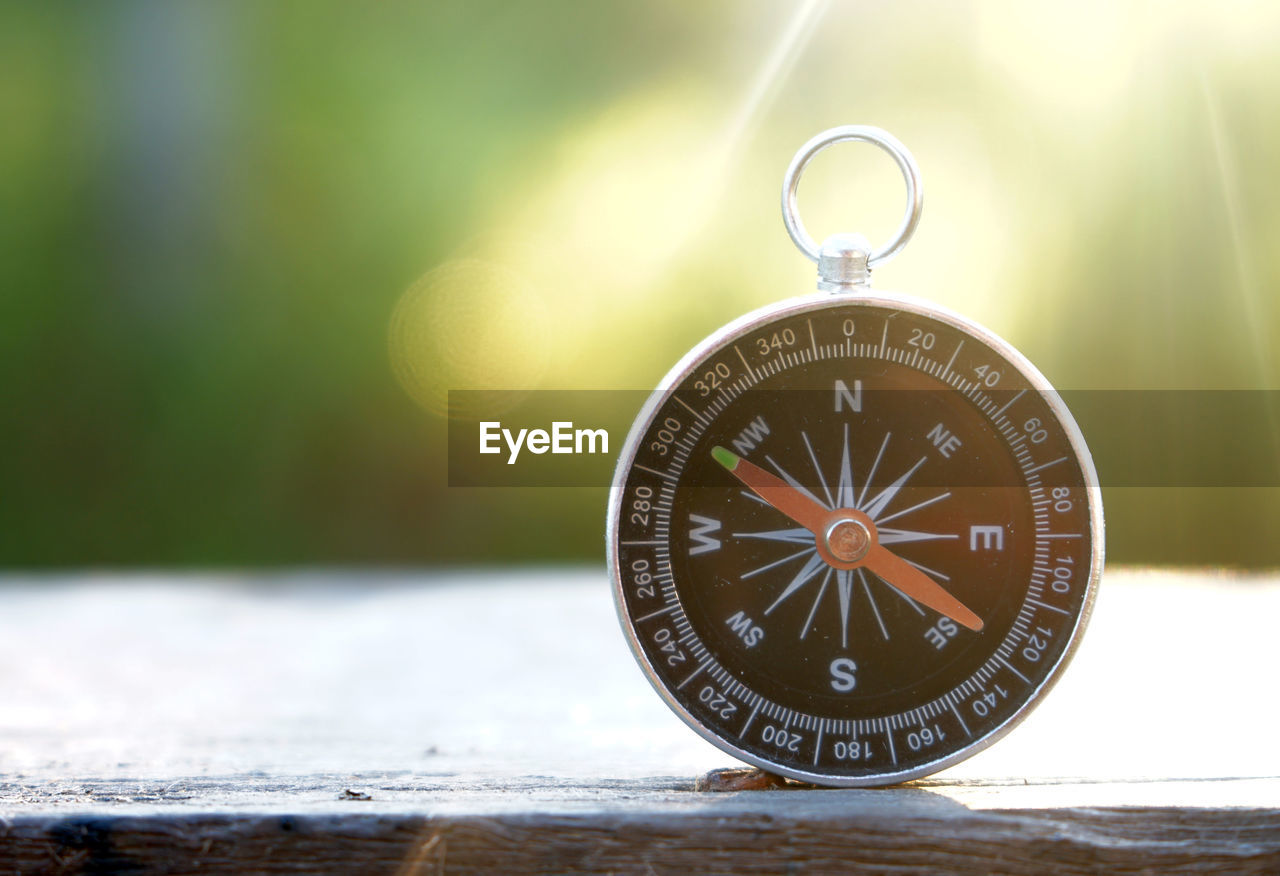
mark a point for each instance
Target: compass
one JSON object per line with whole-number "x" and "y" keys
{"x": 854, "y": 537}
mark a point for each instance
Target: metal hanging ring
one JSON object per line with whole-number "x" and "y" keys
{"x": 866, "y": 134}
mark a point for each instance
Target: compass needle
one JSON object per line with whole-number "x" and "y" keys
{"x": 905, "y": 577}
{"x": 810, "y": 459}
{"x": 793, "y": 483}
{"x": 793, "y": 502}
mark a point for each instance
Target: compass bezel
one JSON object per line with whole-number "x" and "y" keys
{"x": 755, "y": 320}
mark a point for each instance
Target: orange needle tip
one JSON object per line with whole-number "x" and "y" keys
{"x": 727, "y": 458}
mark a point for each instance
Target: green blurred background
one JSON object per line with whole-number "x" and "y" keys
{"x": 246, "y": 247}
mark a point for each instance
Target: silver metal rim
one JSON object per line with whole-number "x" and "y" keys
{"x": 722, "y": 338}
{"x": 866, "y": 134}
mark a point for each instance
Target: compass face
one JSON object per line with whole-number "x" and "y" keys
{"x": 853, "y": 540}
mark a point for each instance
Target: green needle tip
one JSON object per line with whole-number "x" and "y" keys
{"x": 727, "y": 458}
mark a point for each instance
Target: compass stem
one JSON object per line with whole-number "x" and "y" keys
{"x": 844, "y": 263}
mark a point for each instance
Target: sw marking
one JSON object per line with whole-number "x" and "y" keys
{"x": 562, "y": 438}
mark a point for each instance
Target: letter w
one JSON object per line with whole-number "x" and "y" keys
{"x": 701, "y": 534}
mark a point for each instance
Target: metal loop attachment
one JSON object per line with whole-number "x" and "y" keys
{"x": 841, "y": 265}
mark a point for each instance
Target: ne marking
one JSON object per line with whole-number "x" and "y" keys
{"x": 745, "y": 363}
{"x": 956, "y": 712}
{"x": 951, "y": 361}
{"x": 750, "y": 718}
{"x": 813, "y": 339}
{"x": 641, "y": 543}
{"x": 817, "y": 749}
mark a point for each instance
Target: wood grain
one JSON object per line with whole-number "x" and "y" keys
{"x": 494, "y": 722}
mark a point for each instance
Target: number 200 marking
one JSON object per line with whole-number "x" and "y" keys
{"x": 787, "y": 739}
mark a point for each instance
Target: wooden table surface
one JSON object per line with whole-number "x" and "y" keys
{"x": 495, "y": 722}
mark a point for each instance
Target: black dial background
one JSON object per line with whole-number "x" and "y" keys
{"x": 891, "y": 672}
{"x": 952, "y": 686}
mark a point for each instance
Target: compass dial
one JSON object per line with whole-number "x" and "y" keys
{"x": 853, "y": 540}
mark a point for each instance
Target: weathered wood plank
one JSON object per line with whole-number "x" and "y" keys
{"x": 494, "y": 722}
{"x": 834, "y": 831}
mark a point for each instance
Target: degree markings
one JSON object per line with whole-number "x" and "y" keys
{"x": 971, "y": 389}
{"x": 956, "y": 712}
{"x": 1044, "y": 465}
{"x": 653, "y": 471}
{"x": 696, "y": 415}
{"x": 696, "y": 673}
{"x": 750, "y": 718}
{"x": 1007, "y": 404}
{"x": 651, "y": 615}
{"x": 1009, "y": 666}
{"x": 947, "y": 368}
